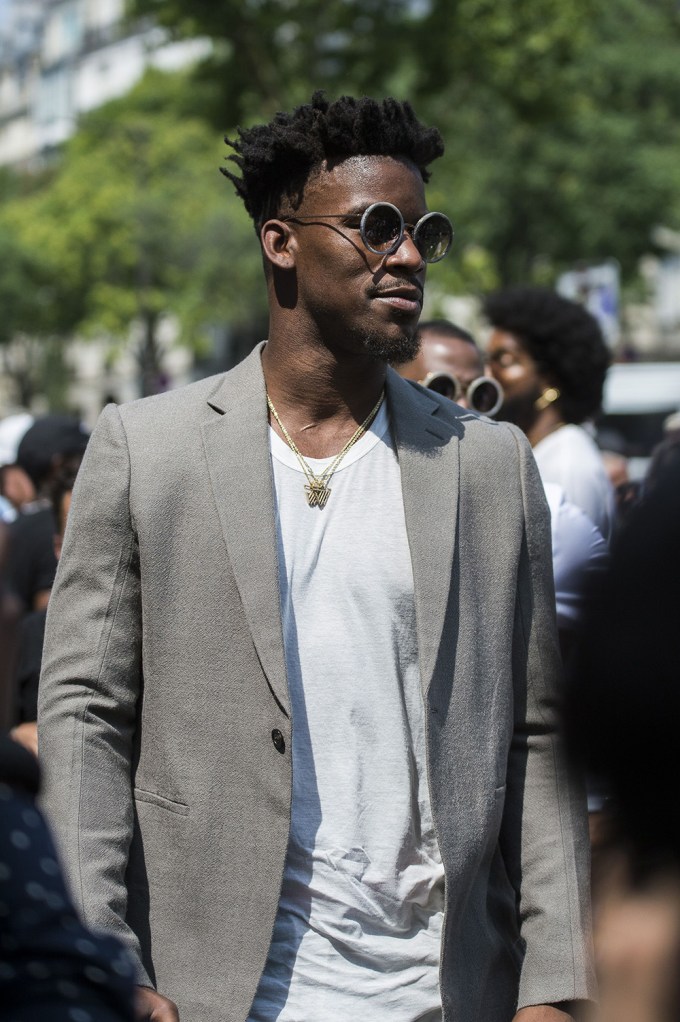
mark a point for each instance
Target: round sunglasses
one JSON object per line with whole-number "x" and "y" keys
{"x": 382, "y": 230}
{"x": 484, "y": 394}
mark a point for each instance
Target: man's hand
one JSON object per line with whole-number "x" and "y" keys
{"x": 27, "y": 735}
{"x": 151, "y": 1006}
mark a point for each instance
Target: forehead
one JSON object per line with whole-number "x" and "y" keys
{"x": 356, "y": 182}
{"x": 503, "y": 339}
{"x": 449, "y": 354}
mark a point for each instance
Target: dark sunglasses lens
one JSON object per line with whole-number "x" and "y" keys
{"x": 445, "y": 385}
{"x": 433, "y": 237}
{"x": 381, "y": 229}
{"x": 484, "y": 396}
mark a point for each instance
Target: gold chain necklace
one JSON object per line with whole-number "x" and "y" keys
{"x": 316, "y": 488}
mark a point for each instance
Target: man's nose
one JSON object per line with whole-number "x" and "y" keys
{"x": 407, "y": 254}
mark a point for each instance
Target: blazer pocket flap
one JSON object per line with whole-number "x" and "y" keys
{"x": 154, "y": 799}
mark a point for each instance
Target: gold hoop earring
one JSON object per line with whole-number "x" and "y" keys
{"x": 549, "y": 395}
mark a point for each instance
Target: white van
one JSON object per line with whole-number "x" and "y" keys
{"x": 638, "y": 397}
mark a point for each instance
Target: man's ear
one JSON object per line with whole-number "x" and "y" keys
{"x": 279, "y": 244}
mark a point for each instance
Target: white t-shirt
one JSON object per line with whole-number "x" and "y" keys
{"x": 358, "y": 929}
{"x": 570, "y": 458}
{"x": 579, "y": 553}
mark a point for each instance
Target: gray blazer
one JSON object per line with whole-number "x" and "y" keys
{"x": 164, "y": 680}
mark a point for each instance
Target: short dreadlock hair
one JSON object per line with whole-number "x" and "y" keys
{"x": 563, "y": 339}
{"x": 276, "y": 159}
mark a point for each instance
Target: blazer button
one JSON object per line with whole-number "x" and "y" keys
{"x": 278, "y": 740}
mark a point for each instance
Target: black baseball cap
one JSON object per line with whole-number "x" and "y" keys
{"x": 50, "y": 438}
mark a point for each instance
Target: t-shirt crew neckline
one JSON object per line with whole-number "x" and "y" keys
{"x": 378, "y": 428}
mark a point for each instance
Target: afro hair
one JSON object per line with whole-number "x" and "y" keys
{"x": 564, "y": 340}
{"x": 276, "y": 159}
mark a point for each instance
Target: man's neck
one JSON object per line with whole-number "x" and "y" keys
{"x": 321, "y": 398}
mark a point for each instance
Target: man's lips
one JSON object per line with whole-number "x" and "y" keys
{"x": 407, "y": 299}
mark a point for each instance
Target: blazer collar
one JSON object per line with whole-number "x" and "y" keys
{"x": 237, "y": 449}
{"x": 428, "y": 452}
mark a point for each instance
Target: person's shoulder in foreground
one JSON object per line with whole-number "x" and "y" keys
{"x": 504, "y": 442}
{"x": 52, "y": 968}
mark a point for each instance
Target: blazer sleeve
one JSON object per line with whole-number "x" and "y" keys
{"x": 90, "y": 685}
{"x": 544, "y": 837}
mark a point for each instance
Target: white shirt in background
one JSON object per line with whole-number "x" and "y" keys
{"x": 579, "y": 553}
{"x": 571, "y": 458}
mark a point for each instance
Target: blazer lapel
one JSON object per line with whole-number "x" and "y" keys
{"x": 237, "y": 448}
{"x": 427, "y": 448}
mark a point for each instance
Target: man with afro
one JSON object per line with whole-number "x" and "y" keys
{"x": 550, "y": 357}
{"x": 298, "y": 699}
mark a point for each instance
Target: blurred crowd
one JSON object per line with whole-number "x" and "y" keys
{"x": 51, "y": 966}
{"x": 616, "y": 560}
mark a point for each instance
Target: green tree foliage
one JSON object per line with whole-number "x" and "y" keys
{"x": 270, "y": 54}
{"x": 560, "y": 116}
{"x": 137, "y": 225}
{"x": 589, "y": 180}
{"x": 29, "y": 349}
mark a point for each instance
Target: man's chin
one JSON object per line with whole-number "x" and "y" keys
{"x": 396, "y": 349}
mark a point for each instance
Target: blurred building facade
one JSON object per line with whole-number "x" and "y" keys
{"x": 61, "y": 58}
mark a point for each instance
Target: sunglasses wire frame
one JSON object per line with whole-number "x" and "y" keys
{"x": 393, "y": 229}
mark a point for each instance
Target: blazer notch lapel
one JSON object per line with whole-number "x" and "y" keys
{"x": 236, "y": 443}
{"x": 428, "y": 452}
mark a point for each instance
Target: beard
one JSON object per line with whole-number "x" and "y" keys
{"x": 520, "y": 410}
{"x": 394, "y": 350}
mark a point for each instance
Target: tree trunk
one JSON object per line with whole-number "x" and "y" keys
{"x": 152, "y": 378}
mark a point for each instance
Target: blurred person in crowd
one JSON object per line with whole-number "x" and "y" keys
{"x": 671, "y": 425}
{"x": 16, "y": 488}
{"x": 550, "y": 357}
{"x": 579, "y": 551}
{"x": 621, "y": 714}
{"x": 665, "y": 456}
{"x": 627, "y": 491}
{"x": 32, "y": 624}
{"x": 579, "y": 554}
{"x": 10, "y": 612}
{"x": 262, "y": 576}
{"x": 450, "y": 363}
{"x": 53, "y": 443}
{"x": 616, "y": 467}
{"x": 52, "y": 969}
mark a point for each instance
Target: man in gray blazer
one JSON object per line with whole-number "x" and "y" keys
{"x": 298, "y": 702}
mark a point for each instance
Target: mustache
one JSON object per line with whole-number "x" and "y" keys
{"x": 389, "y": 287}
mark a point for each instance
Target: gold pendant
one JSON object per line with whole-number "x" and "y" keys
{"x": 317, "y": 494}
